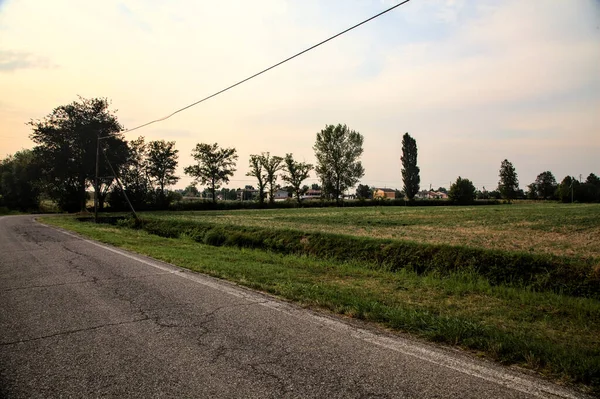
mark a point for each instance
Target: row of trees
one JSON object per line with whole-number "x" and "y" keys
{"x": 337, "y": 149}
{"x": 81, "y": 145}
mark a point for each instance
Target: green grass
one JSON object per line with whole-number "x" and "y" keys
{"x": 556, "y": 229}
{"x": 557, "y": 335}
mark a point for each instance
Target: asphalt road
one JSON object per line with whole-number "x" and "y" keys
{"x": 79, "y": 319}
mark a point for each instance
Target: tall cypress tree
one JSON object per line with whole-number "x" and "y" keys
{"x": 410, "y": 170}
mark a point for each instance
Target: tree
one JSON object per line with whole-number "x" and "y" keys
{"x": 567, "y": 188}
{"x": 134, "y": 177}
{"x": 532, "y": 191}
{"x": 462, "y": 191}
{"x": 545, "y": 185}
{"x": 592, "y": 188}
{"x": 364, "y": 192}
{"x": 338, "y": 150}
{"x": 256, "y": 170}
{"x": 593, "y": 180}
{"x": 214, "y": 166}
{"x": 271, "y": 165}
{"x": 410, "y": 170}
{"x": 191, "y": 191}
{"x": 295, "y": 173}
{"x": 67, "y": 141}
{"x": 162, "y": 162}
{"x": 508, "y": 185}
{"x": 19, "y": 181}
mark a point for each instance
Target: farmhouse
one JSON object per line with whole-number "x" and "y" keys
{"x": 311, "y": 194}
{"x": 384, "y": 193}
{"x": 431, "y": 195}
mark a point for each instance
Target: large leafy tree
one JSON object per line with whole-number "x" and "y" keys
{"x": 214, "y": 166}
{"x": 161, "y": 164}
{"x": 67, "y": 142}
{"x": 338, "y": 150}
{"x": 257, "y": 170}
{"x": 410, "y": 170}
{"x": 271, "y": 165}
{"x": 545, "y": 185}
{"x": 462, "y": 191}
{"x": 508, "y": 185}
{"x": 19, "y": 181}
{"x": 295, "y": 173}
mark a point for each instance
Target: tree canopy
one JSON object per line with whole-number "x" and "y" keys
{"x": 508, "y": 185}
{"x": 295, "y": 173}
{"x": 161, "y": 164}
{"x": 271, "y": 165}
{"x": 256, "y": 170}
{"x": 462, "y": 191}
{"x": 214, "y": 166}
{"x": 338, "y": 150}
{"x": 363, "y": 192}
{"x": 544, "y": 185}
{"x": 410, "y": 170}
{"x": 67, "y": 140}
{"x": 19, "y": 181}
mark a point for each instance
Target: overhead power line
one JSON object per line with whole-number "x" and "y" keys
{"x": 269, "y": 68}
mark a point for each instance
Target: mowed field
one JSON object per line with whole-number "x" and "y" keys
{"x": 560, "y": 229}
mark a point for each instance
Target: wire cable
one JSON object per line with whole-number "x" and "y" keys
{"x": 269, "y": 68}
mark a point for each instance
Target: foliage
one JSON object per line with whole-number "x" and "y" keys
{"x": 271, "y": 165}
{"x": 544, "y": 186}
{"x": 256, "y": 170}
{"x": 191, "y": 191}
{"x": 134, "y": 177}
{"x": 214, "y": 166}
{"x": 20, "y": 181}
{"x": 363, "y": 192}
{"x": 462, "y": 191}
{"x": 161, "y": 164}
{"x": 295, "y": 173}
{"x": 410, "y": 170}
{"x": 571, "y": 190}
{"x": 67, "y": 141}
{"x": 508, "y": 185}
{"x": 338, "y": 150}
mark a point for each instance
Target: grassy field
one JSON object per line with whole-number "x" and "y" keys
{"x": 557, "y": 335}
{"x": 558, "y": 229}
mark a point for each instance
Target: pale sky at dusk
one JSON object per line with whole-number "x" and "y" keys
{"x": 474, "y": 82}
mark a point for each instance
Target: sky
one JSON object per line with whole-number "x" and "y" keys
{"x": 474, "y": 82}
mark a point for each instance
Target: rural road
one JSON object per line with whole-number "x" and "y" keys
{"x": 80, "y": 319}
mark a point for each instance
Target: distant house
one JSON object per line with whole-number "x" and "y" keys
{"x": 281, "y": 195}
{"x": 312, "y": 194}
{"x": 384, "y": 193}
{"x": 431, "y": 195}
{"x": 438, "y": 195}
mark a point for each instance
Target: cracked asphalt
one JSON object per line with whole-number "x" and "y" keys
{"x": 79, "y": 319}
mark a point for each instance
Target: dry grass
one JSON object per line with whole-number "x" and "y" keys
{"x": 558, "y": 229}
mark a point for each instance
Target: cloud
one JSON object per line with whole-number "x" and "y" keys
{"x": 11, "y": 61}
